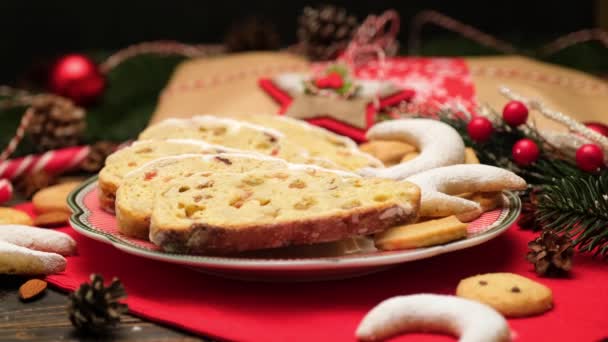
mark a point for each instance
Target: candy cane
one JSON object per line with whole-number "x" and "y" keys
{"x": 52, "y": 162}
{"x": 6, "y": 190}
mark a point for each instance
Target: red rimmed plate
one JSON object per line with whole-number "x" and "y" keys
{"x": 344, "y": 259}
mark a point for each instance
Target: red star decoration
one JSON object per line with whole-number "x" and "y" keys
{"x": 331, "y": 121}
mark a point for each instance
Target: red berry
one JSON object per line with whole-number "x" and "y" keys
{"x": 515, "y": 113}
{"x": 322, "y": 82}
{"x": 589, "y": 157}
{"x": 525, "y": 152}
{"x": 335, "y": 80}
{"x": 480, "y": 129}
{"x": 598, "y": 127}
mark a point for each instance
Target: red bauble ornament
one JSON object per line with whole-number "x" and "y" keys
{"x": 480, "y": 129}
{"x": 589, "y": 157}
{"x": 598, "y": 127}
{"x": 515, "y": 113}
{"x": 525, "y": 152}
{"x": 77, "y": 78}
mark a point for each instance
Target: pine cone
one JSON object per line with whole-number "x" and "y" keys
{"x": 28, "y": 184}
{"x": 325, "y": 31}
{"x": 98, "y": 153}
{"x": 551, "y": 254}
{"x": 94, "y": 307}
{"x": 528, "y": 218}
{"x": 252, "y": 34}
{"x": 56, "y": 122}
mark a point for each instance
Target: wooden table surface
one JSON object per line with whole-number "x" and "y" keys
{"x": 46, "y": 319}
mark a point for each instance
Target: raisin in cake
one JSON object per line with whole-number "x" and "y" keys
{"x": 130, "y": 158}
{"x": 135, "y": 196}
{"x": 227, "y": 212}
{"x": 318, "y": 141}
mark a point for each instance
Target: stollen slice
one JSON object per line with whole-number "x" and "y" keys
{"x": 135, "y": 196}
{"x": 125, "y": 160}
{"x": 318, "y": 141}
{"x": 228, "y": 212}
{"x": 230, "y": 133}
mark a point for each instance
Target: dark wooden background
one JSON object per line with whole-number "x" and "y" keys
{"x": 46, "y": 319}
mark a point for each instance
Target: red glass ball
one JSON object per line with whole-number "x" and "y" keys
{"x": 589, "y": 157}
{"x": 598, "y": 127}
{"x": 480, "y": 129}
{"x": 515, "y": 113}
{"x": 77, "y": 78}
{"x": 525, "y": 152}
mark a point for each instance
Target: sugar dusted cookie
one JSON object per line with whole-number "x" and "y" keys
{"x": 439, "y": 144}
{"x": 440, "y": 184}
{"x": 510, "y": 294}
{"x": 469, "y": 320}
{"x": 14, "y": 216}
{"x": 54, "y": 198}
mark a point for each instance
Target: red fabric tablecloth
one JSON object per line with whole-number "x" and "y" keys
{"x": 330, "y": 311}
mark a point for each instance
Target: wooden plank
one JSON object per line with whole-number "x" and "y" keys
{"x": 46, "y": 319}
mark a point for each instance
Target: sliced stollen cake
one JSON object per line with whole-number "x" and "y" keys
{"x": 137, "y": 191}
{"x": 318, "y": 141}
{"x": 230, "y": 133}
{"x": 125, "y": 160}
{"x": 228, "y": 212}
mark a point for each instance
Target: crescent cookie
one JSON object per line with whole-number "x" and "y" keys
{"x": 439, "y": 185}
{"x": 30, "y": 250}
{"x": 439, "y": 144}
{"x": 472, "y": 321}
{"x": 510, "y": 294}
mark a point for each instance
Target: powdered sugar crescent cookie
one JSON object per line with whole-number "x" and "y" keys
{"x": 472, "y": 321}
{"x": 40, "y": 239}
{"x": 438, "y": 143}
{"x": 508, "y": 293}
{"x": 20, "y": 260}
{"x": 439, "y": 185}
{"x": 14, "y": 216}
{"x": 30, "y": 250}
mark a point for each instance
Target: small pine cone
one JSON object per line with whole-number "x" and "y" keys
{"x": 252, "y": 34}
{"x": 528, "y": 218}
{"x": 56, "y": 122}
{"x": 325, "y": 31}
{"x": 28, "y": 184}
{"x": 551, "y": 254}
{"x": 98, "y": 153}
{"x": 94, "y": 307}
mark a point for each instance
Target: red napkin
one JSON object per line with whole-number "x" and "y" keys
{"x": 331, "y": 311}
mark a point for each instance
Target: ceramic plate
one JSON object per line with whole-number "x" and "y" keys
{"x": 342, "y": 259}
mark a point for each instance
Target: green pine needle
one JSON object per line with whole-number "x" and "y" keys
{"x": 578, "y": 206}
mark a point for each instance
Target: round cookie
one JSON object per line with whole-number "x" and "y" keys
{"x": 387, "y": 151}
{"x": 510, "y": 294}
{"x": 54, "y": 198}
{"x": 14, "y": 216}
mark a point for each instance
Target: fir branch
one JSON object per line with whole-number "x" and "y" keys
{"x": 577, "y": 206}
